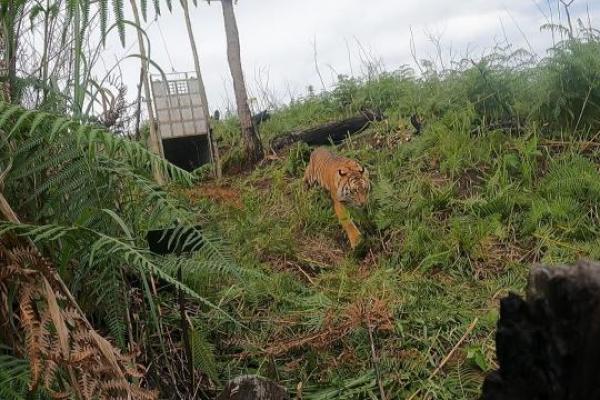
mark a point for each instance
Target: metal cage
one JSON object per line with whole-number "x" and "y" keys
{"x": 184, "y": 130}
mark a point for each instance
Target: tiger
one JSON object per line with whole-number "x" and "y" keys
{"x": 347, "y": 182}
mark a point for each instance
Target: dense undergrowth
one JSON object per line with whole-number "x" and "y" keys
{"x": 504, "y": 175}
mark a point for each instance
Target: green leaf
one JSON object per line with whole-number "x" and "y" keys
{"x": 476, "y": 355}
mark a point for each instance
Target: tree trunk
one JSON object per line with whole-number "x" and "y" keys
{"x": 548, "y": 344}
{"x": 252, "y": 144}
{"x": 214, "y": 150}
{"x": 16, "y": 12}
{"x": 44, "y": 69}
{"x": 154, "y": 142}
{"x": 4, "y": 63}
{"x": 11, "y": 27}
{"x": 78, "y": 91}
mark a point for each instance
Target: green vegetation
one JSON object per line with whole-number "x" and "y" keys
{"x": 504, "y": 175}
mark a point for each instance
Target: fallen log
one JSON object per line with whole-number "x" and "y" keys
{"x": 325, "y": 134}
{"x": 548, "y": 345}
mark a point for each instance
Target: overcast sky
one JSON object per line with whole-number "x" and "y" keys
{"x": 278, "y": 38}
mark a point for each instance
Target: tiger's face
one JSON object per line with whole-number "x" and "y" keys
{"x": 354, "y": 186}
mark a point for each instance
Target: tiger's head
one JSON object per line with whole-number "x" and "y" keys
{"x": 353, "y": 184}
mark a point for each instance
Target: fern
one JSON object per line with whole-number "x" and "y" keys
{"x": 203, "y": 354}
{"x": 104, "y": 244}
{"x": 110, "y": 298}
{"x": 103, "y": 5}
{"x": 93, "y": 139}
{"x": 85, "y": 17}
{"x": 14, "y": 377}
{"x": 144, "y": 7}
{"x": 119, "y": 15}
{"x": 574, "y": 176}
{"x": 156, "y": 6}
{"x": 72, "y": 8}
{"x": 89, "y": 199}
{"x": 354, "y": 388}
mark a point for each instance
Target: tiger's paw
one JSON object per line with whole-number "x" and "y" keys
{"x": 361, "y": 248}
{"x": 306, "y": 183}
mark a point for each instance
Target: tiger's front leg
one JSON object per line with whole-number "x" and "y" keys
{"x": 352, "y": 231}
{"x": 308, "y": 183}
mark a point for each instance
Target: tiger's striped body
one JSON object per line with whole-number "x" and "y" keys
{"x": 347, "y": 182}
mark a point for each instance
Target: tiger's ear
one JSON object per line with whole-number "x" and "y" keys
{"x": 342, "y": 172}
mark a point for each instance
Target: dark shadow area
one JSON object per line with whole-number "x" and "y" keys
{"x": 168, "y": 241}
{"x": 188, "y": 153}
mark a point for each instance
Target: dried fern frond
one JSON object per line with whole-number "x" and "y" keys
{"x": 60, "y": 341}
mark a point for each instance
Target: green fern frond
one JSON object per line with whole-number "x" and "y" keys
{"x": 104, "y": 244}
{"x": 350, "y": 389}
{"x": 120, "y": 17}
{"x": 35, "y": 163}
{"x": 72, "y": 6}
{"x": 203, "y": 354}
{"x": 8, "y": 112}
{"x": 85, "y": 17}
{"x": 110, "y": 300}
{"x": 14, "y": 378}
{"x": 574, "y": 176}
{"x": 144, "y": 8}
{"x": 103, "y": 5}
{"x": 156, "y": 6}
{"x": 95, "y": 140}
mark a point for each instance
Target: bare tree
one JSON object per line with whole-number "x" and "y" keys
{"x": 252, "y": 145}
{"x": 567, "y": 5}
{"x": 214, "y": 153}
{"x": 11, "y": 19}
{"x": 154, "y": 142}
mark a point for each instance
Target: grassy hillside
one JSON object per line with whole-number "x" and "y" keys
{"x": 504, "y": 175}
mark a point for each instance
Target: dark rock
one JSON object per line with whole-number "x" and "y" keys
{"x": 251, "y": 387}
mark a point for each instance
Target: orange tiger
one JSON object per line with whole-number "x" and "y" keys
{"x": 347, "y": 182}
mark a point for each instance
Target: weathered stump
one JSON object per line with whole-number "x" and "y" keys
{"x": 548, "y": 346}
{"x": 251, "y": 387}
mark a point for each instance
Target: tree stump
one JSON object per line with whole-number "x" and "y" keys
{"x": 548, "y": 346}
{"x": 251, "y": 387}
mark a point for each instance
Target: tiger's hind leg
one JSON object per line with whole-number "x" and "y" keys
{"x": 352, "y": 231}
